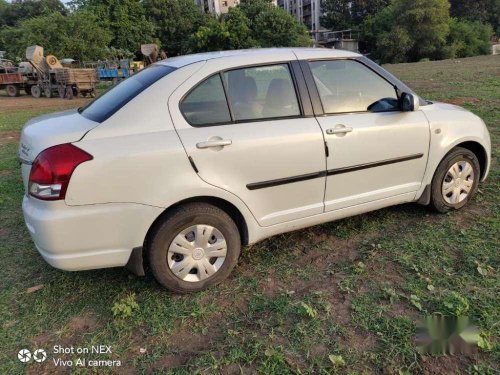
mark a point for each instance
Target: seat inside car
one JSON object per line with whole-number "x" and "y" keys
{"x": 280, "y": 99}
{"x": 244, "y": 98}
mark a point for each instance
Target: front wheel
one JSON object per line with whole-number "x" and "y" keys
{"x": 195, "y": 247}
{"x": 456, "y": 180}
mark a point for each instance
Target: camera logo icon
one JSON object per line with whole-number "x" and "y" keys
{"x": 24, "y": 355}
{"x": 40, "y": 355}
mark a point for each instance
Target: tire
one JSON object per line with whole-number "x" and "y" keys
{"x": 36, "y": 91}
{"x": 449, "y": 186}
{"x": 181, "y": 224}
{"x": 47, "y": 91}
{"x": 12, "y": 90}
{"x": 69, "y": 93}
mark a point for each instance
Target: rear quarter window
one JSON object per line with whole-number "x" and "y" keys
{"x": 115, "y": 98}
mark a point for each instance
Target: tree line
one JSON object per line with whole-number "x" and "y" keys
{"x": 411, "y": 30}
{"x": 390, "y": 30}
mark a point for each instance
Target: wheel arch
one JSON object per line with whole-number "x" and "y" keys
{"x": 477, "y": 149}
{"x": 223, "y": 204}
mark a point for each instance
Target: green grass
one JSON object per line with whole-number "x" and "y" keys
{"x": 347, "y": 292}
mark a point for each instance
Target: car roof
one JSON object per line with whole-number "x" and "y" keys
{"x": 279, "y": 53}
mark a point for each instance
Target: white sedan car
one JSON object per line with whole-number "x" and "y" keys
{"x": 177, "y": 167}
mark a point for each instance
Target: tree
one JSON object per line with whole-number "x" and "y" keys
{"x": 238, "y": 25}
{"x": 212, "y": 36}
{"x": 227, "y": 32}
{"x": 418, "y": 27}
{"x": 276, "y": 28}
{"x": 337, "y": 14}
{"x": 427, "y": 24}
{"x": 467, "y": 38}
{"x": 272, "y": 26}
{"x": 18, "y": 10}
{"x": 344, "y": 14}
{"x": 478, "y": 10}
{"x": 361, "y": 9}
{"x": 126, "y": 19}
{"x": 252, "y": 8}
{"x": 252, "y": 24}
{"x": 175, "y": 21}
{"x": 77, "y": 35}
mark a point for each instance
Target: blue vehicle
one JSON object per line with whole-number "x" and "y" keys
{"x": 112, "y": 71}
{"x": 109, "y": 74}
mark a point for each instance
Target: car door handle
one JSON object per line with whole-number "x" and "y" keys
{"x": 214, "y": 143}
{"x": 339, "y": 130}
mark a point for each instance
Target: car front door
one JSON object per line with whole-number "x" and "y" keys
{"x": 246, "y": 132}
{"x": 375, "y": 150}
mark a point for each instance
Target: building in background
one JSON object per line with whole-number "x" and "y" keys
{"x": 216, "y": 6}
{"x": 219, "y": 6}
{"x": 307, "y": 12}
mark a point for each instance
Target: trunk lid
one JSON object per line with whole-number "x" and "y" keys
{"x": 50, "y": 130}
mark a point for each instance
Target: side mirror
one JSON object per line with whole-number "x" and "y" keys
{"x": 409, "y": 102}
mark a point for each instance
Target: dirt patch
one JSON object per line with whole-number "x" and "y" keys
{"x": 451, "y": 365}
{"x": 72, "y": 332}
{"x": 270, "y": 286}
{"x": 363, "y": 341}
{"x": 318, "y": 351}
{"x": 235, "y": 369}
{"x": 189, "y": 342}
{"x": 461, "y": 101}
{"x": 9, "y": 137}
{"x": 170, "y": 361}
{"x": 184, "y": 345}
{"x": 82, "y": 323}
{"x": 471, "y": 213}
{"x": 26, "y": 102}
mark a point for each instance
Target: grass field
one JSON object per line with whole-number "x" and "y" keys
{"x": 343, "y": 297}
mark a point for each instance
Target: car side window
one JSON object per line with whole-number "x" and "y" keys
{"x": 206, "y": 104}
{"x": 349, "y": 86}
{"x": 262, "y": 92}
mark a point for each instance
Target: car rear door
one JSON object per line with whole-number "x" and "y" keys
{"x": 376, "y": 151}
{"x": 247, "y": 130}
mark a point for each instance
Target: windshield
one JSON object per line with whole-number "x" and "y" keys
{"x": 115, "y": 98}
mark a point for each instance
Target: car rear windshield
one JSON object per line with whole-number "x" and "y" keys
{"x": 115, "y": 98}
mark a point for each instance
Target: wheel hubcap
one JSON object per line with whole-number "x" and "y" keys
{"x": 197, "y": 253}
{"x": 458, "y": 182}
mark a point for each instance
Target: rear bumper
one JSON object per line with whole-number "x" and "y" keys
{"x": 87, "y": 237}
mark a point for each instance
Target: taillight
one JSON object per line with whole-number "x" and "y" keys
{"x": 52, "y": 169}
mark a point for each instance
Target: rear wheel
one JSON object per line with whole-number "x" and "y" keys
{"x": 12, "y": 90}
{"x": 195, "y": 247}
{"x": 61, "y": 90}
{"x": 47, "y": 92}
{"x": 69, "y": 93}
{"x": 456, "y": 180}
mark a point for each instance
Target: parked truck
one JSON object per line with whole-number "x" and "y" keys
{"x": 14, "y": 79}
{"x": 54, "y": 79}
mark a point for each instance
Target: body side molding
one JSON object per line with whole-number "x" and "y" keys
{"x": 331, "y": 172}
